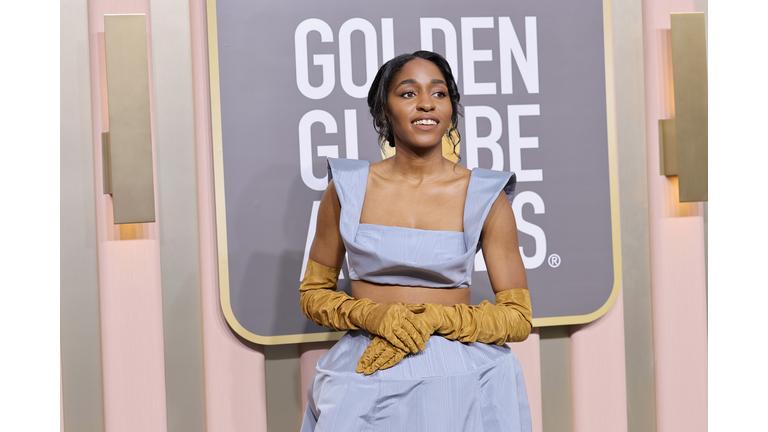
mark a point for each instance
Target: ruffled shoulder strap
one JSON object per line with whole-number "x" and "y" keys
{"x": 484, "y": 188}
{"x": 350, "y": 177}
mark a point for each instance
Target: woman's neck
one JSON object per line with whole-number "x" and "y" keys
{"x": 418, "y": 166}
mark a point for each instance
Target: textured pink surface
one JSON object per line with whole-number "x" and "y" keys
{"x": 132, "y": 336}
{"x": 235, "y": 394}
{"x": 677, "y": 250}
{"x": 598, "y": 373}
{"x": 529, "y": 354}
{"x": 129, "y": 273}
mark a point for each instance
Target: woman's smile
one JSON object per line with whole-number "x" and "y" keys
{"x": 426, "y": 122}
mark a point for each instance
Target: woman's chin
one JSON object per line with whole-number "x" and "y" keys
{"x": 422, "y": 145}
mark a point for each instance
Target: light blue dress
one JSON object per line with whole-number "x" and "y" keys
{"x": 449, "y": 386}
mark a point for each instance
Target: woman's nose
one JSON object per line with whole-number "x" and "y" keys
{"x": 425, "y": 103}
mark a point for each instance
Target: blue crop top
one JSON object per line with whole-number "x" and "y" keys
{"x": 408, "y": 256}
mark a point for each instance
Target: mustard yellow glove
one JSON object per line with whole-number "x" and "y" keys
{"x": 509, "y": 320}
{"x": 321, "y": 303}
{"x": 379, "y": 355}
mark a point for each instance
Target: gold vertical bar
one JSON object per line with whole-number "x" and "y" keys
{"x": 133, "y": 190}
{"x": 689, "y": 73}
{"x": 667, "y": 147}
{"x": 106, "y": 163}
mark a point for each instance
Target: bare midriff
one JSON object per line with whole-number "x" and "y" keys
{"x": 409, "y": 294}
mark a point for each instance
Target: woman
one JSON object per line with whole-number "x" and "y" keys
{"x": 419, "y": 357}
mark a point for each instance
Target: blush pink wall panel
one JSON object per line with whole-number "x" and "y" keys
{"x": 132, "y": 336}
{"x": 598, "y": 375}
{"x": 235, "y": 383}
{"x": 680, "y": 323}
{"x": 529, "y": 354}
{"x": 677, "y": 250}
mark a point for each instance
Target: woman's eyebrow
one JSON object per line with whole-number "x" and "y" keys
{"x": 406, "y": 81}
{"x": 413, "y": 81}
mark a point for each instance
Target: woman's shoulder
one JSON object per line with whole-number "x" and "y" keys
{"x": 460, "y": 172}
{"x": 378, "y": 166}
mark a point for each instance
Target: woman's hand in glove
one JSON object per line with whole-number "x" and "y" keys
{"x": 509, "y": 320}
{"x": 398, "y": 324}
{"x": 379, "y": 355}
{"x": 336, "y": 310}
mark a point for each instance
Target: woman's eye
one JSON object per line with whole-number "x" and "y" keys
{"x": 440, "y": 94}
{"x": 408, "y": 94}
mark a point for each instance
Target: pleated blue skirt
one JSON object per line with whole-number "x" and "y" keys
{"x": 449, "y": 386}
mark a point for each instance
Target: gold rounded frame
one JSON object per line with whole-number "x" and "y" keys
{"x": 221, "y": 228}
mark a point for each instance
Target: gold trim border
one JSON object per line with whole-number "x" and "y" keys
{"x": 221, "y": 220}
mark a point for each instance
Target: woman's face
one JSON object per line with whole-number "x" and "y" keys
{"x": 418, "y": 105}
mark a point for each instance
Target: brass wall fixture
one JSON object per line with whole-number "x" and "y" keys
{"x": 127, "y": 147}
{"x": 683, "y": 141}
{"x": 106, "y": 162}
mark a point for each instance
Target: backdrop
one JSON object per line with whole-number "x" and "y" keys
{"x": 291, "y": 87}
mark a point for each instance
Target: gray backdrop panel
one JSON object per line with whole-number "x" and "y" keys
{"x": 268, "y": 205}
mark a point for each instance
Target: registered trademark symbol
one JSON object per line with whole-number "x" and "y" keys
{"x": 554, "y": 260}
